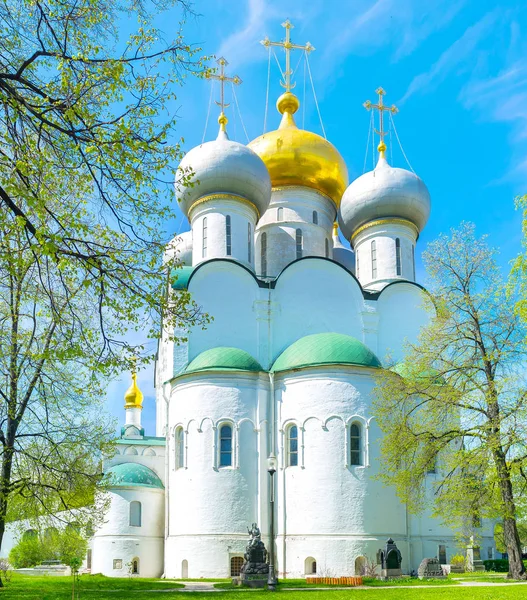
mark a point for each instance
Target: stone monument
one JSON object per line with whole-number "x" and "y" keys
{"x": 474, "y": 562}
{"x": 255, "y": 569}
{"x": 430, "y": 568}
{"x": 391, "y": 560}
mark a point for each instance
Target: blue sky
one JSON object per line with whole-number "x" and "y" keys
{"x": 457, "y": 70}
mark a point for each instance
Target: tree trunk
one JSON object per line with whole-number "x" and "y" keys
{"x": 5, "y": 480}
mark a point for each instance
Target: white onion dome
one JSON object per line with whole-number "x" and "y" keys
{"x": 180, "y": 247}
{"x": 223, "y": 167}
{"x": 386, "y": 192}
{"x": 342, "y": 255}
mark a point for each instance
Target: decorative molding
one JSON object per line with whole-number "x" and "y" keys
{"x": 388, "y": 221}
{"x": 284, "y": 188}
{"x": 221, "y": 196}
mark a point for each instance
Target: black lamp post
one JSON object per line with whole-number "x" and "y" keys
{"x": 272, "y": 464}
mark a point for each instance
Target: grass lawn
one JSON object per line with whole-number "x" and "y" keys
{"x": 102, "y": 588}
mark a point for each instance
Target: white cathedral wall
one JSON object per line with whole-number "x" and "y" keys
{"x": 296, "y": 205}
{"x": 211, "y": 506}
{"x": 116, "y": 539}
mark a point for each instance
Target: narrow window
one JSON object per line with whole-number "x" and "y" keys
{"x": 327, "y": 247}
{"x": 314, "y": 567}
{"x": 315, "y": 217}
{"x": 184, "y": 569}
{"x": 373, "y": 259}
{"x": 299, "y": 243}
{"x": 292, "y": 446}
{"x": 236, "y": 565}
{"x": 280, "y": 214}
{"x": 413, "y": 262}
{"x": 180, "y": 448}
{"x": 228, "y": 236}
{"x": 355, "y": 444}
{"x": 263, "y": 242}
{"x": 249, "y": 243}
{"x": 135, "y": 566}
{"x": 398, "y": 255}
{"x": 357, "y": 263}
{"x": 441, "y": 554}
{"x": 204, "y": 246}
{"x": 135, "y": 514}
{"x": 225, "y": 446}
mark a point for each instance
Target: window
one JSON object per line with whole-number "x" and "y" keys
{"x": 398, "y": 255}
{"x": 327, "y": 247}
{"x": 310, "y": 566}
{"x": 184, "y": 569}
{"x": 180, "y": 448}
{"x": 249, "y": 243}
{"x": 357, "y": 263}
{"x": 490, "y": 552}
{"x": 374, "y": 259}
{"x": 355, "y": 444}
{"x": 88, "y": 558}
{"x": 280, "y": 214}
{"x": 135, "y": 514}
{"x": 413, "y": 262}
{"x": 117, "y": 563}
{"x": 299, "y": 243}
{"x": 135, "y": 566}
{"x": 228, "y": 236}
{"x": 292, "y": 446}
{"x": 315, "y": 217}
{"x": 204, "y": 243}
{"x": 263, "y": 242}
{"x": 236, "y": 565}
{"x": 441, "y": 554}
{"x": 225, "y": 446}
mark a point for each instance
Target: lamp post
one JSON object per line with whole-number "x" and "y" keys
{"x": 272, "y": 464}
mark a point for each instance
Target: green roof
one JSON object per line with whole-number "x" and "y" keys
{"x": 146, "y": 440}
{"x": 325, "y": 349}
{"x": 223, "y": 358}
{"x": 181, "y": 276}
{"x": 133, "y": 474}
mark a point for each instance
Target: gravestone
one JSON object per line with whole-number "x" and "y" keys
{"x": 474, "y": 562}
{"x": 391, "y": 560}
{"x": 255, "y": 569}
{"x": 430, "y": 568}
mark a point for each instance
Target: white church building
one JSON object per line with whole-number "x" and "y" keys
{"x": 302, "y": 324}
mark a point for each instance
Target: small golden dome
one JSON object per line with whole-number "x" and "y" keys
{"x": 133, "y": 397}
{"x": 297, "y": 157}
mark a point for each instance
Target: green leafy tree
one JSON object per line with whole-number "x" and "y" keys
{"x": 28, "y": 552}
{"x": 87, "y": 149}
{"x": 460, "y": 397}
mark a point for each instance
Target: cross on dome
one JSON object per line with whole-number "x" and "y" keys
{"x": 287, "y": 45}
{"x": 381, "y": 107}
{"x": 222, "y": 78}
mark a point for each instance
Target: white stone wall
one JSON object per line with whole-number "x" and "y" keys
{"x": 215, "y": 211}
{"x": 296, "y": 205}
{"x": 384, "y": 235}
{"x": 116, "y": 539}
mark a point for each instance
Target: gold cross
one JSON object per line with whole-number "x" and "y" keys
{"x": 381, "y": 107}
{"x": 287, "y": 45}
{"x": 222, "y": 78}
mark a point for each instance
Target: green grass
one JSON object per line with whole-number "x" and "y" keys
{"x": 101, "y": 588}
{"x": 407, "y": 581}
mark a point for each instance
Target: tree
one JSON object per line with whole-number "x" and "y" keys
{"x": 460, "y": 396}
{"x": 86, "y": 153}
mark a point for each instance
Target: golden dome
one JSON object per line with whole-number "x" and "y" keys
{"x": 297, "y": 157}
{"x": 133, "y": 397}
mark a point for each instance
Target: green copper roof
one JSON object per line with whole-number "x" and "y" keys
{"x": 146, "y": 440}
{"x": 180, "y": 277}
{"x": 134, "y": 474}
{"x": 325, "y": 349}
{"x": 223, "y": 358}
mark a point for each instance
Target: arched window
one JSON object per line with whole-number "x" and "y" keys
{"x": 398, "y": 255}
{"x": 263, "y": 242}
{"x": 413, "y": 262}
{"x": 204, "y": 242}
{"x": 249, "y": 243}
{"x": 373, "y": 259}
{"x": 180, "y": 448}
{"x": 184, "y": 569}
{"x": 225, "y": 446}
{"x": 310, "y": 566}
{"x": 355, "y": 444}
{"x": 135, "y": 514}
{"x": 315, "y": 217}
{"x": 280, "y": 214}
{"x": 228, "y": 235}
{"x": 327, "y": 247}
{"x": 299, "y": 243}
{"x": 135, "y": 566}
{"x": 236, "y": 565}
{"x": 292, "y": 446}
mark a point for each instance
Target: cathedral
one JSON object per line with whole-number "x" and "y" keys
{"x": 284, "y": 374}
